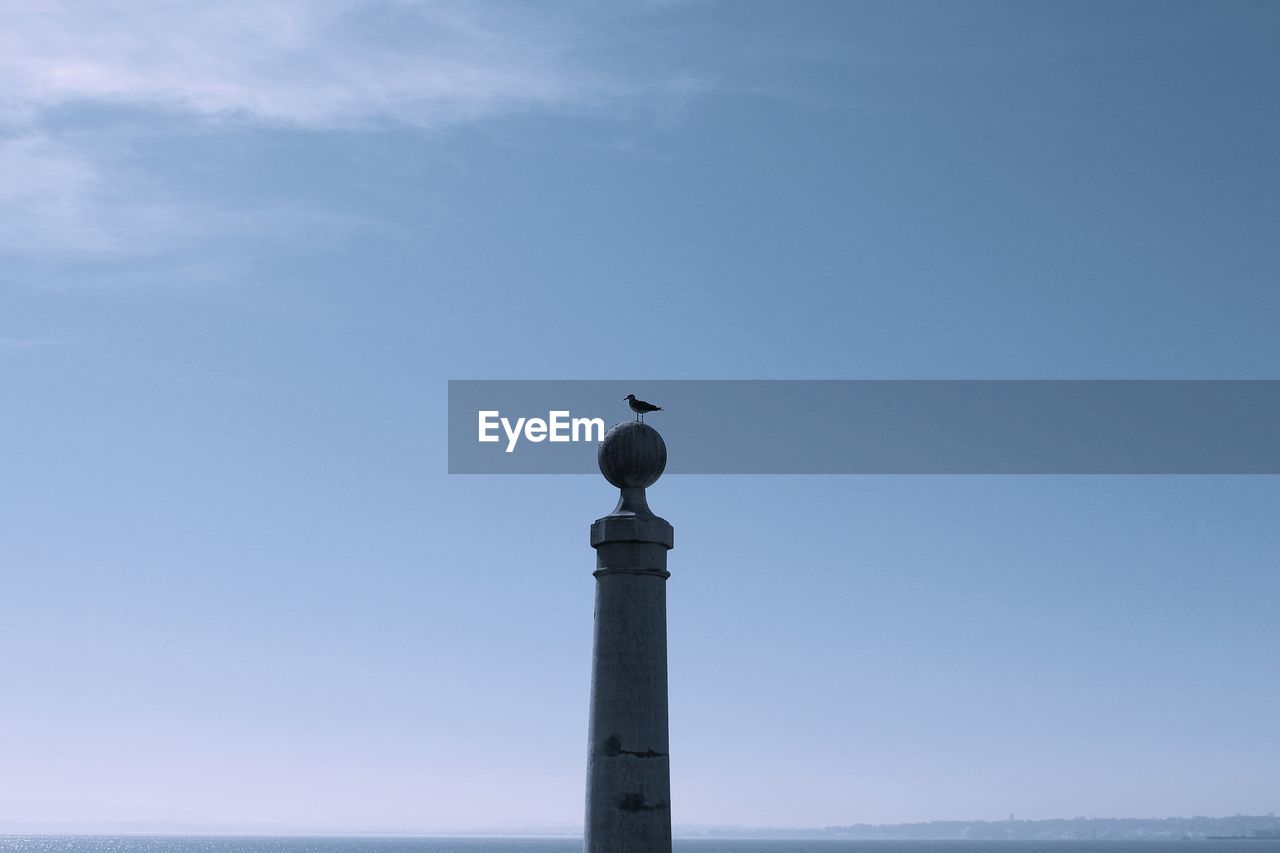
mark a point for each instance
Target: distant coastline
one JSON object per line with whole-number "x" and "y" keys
{"x": 1264, "y": 828}
{"x": 1237, "y": 827}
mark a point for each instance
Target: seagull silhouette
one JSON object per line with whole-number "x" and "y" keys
{"x": 640, "y": 407}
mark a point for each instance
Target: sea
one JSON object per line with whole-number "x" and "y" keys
{"x": 401, "y": 844}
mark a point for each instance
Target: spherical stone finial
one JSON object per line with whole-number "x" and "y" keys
{"x": 632, "y": 455}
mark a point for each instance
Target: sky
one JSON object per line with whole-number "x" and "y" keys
{"x": 244, "y": 246}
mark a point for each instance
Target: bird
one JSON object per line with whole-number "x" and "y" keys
{"x": 640, "y": 407}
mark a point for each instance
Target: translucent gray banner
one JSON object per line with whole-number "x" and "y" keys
{"x": 876, "y": 426}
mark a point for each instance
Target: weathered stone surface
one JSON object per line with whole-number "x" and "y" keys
{"x": 628, "y": 767}
{"x": 632, "y": 455}
{"x": 615, "y": 528}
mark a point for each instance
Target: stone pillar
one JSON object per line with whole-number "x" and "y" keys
{"x": 628, "y": 769}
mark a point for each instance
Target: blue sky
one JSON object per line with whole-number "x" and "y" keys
{"x": 243, "y": 247}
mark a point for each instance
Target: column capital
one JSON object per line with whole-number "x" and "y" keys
{"x": 627, "y": 528}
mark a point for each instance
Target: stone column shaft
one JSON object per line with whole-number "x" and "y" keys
{"x": 628, "y": 766}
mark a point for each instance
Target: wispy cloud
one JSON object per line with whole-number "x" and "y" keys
{"x": 311, "y": 65}
{"x": 55, "y": 198}
{"x": 302, "y": 62}
{"x": 11, "y": 343}
{"x": 59, "y": 199}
